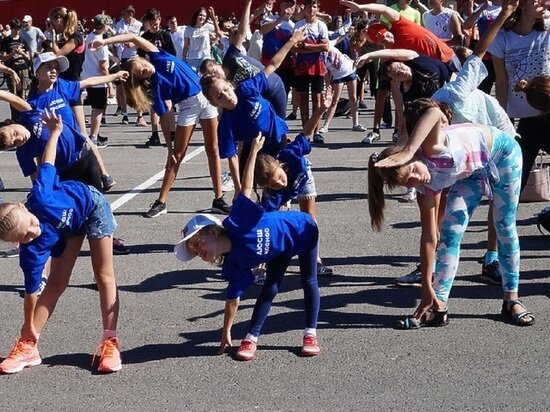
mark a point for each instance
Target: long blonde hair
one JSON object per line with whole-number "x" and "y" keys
{"x": 377, "y": 176}
{"x": 70, "y": 20}
{"x": 138, "y": 93}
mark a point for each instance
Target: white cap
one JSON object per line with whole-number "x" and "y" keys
{"x": 27, "y": 18}
{"x": 48, "y": 57}
{"x": 189, "y": 230}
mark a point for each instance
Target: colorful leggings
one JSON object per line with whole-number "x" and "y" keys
{"x": 464, "y": 196}
{"x": 276, "y": 269}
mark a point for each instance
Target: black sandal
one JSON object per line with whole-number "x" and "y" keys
{"x": 432, "y": 319}
{"x": 516, "y": 318}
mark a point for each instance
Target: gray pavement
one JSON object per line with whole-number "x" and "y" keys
{"x": 171, "y": 314}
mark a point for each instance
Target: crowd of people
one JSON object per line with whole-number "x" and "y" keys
{"x": 453, "y": 143}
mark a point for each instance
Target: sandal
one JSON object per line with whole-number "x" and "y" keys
{"x": 508, "y": 305}
{"x": 433, "y": 319}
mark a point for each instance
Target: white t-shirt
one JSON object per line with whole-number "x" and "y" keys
{"x": 524, "y": 57}
{"x": 177, "y": 39}
{"x": 123, "y": 28}
{"x": 338, "y": 64}
{"x": 92, "y": 58}
{"x": 255, "y": 46}
{"x": 199, "y": 41}
{"x": 439, "y": 24}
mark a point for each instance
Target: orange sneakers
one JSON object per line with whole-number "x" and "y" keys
{"x": 310, "y": 346}
{"x": 109, "y": 360}
{"x": 247, "y": 350}
{"x": 23, "y": 354}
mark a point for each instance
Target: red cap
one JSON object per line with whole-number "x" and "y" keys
{"x": 375, "y": 31}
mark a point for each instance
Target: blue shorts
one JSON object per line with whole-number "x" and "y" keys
{"x": 308, "y": 190}
{"x": 100, "y": 222}
{"x": 348, "y": 78}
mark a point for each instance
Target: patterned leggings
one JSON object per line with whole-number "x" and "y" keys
{"x": 464, "y": 196}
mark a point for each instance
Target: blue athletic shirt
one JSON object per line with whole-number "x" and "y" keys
{"x": 252, "y": 115}
{"x": 258, "y": 236}
{"x": 173, "y": 80}
{"x": 62, "y": 209}
{"x": 68, "y": 148}
{"x": 62, "y": 94}
{"x": 295, "y": 165}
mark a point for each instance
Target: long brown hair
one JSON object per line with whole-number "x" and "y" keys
{"x": 537, "y": 92}
{"x": 415, "y": 110}
{"x": 538, "y": 24}
{"x": 377, "y": 177}
{"x": 138, "y": 94}
{"x": 70, "y": 20}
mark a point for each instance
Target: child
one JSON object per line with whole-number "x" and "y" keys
{"x": 473, "y": 160}
{"x": 163, "y": 81}
{"x": 342, "y": 71}
{"x": 246, "y": 112}
{"x": 288, "y": 176}
{"x": 248, "y": 237}
{"x": 54, "y": 221}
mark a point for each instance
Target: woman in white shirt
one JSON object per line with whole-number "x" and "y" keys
{"x": 196, "y": 46}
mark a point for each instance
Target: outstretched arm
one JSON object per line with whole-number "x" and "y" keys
{"x": 387, "y": 12}
{"x": 393, "y": 54}
{"x": 275, "y": 62}
{"x": 15, "y": 101}
{"x": 231, "y": 306}
{"x": 55, "y": 126}
{"x": 426, "y": 133}
{"x": 508, "y": 7}
{"x": 122, "y": 75}
{"x": 139, "y": 41}
{"x": 244, "y": 26}
{"x": 10, "y": 72}
{"x": 247, "y": 185}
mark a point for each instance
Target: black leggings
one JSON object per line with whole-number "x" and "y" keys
{"x": 535, "y": 135}
{"x": 85, "y": 170}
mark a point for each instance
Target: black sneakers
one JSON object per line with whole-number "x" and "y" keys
{"x": 157, "y": 208}
{"x": 154, "y": 140}
{"x": 490, "y": 273}
{"x": 219, "y": 205}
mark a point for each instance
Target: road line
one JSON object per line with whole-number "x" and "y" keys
{"x": 149, "y": 182}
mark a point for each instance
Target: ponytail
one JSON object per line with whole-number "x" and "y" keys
{"x": 537, "y": 92}
{"x": 377, "y": 176}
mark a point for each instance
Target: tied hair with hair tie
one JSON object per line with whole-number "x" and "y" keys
{"x": 374, "y": 157}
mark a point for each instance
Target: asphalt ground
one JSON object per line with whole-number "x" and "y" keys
{"x": 171, "y": 314}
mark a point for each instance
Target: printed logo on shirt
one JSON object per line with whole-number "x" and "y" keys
{"x": 256, "y": 110}
{"x": 263, "y": 241}
{"x": 66, "y": 218}
{"x": 57, "y": 104}
{"x": 37, "y": 129}
{"x": 170, "y": 66}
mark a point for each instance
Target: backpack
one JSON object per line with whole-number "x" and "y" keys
{"x": 342, "y": 108}
{"x": 543, "y": 219}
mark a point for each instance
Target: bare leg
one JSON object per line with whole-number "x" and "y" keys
{"x": 102, "y": 263}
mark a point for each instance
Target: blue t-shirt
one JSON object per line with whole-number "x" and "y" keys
{"x": 68, "y": 148}
{"x": 258, "y": 236}
{"x": 62, "y": 209}
{"x": 173, "y": 80}
{"x": 295, "y": 165}
{"x": 242, "y": 67}
{"x": 62, "y": 94}
{"x": 252, "y": 115}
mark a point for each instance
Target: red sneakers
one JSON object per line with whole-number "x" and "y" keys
{"x": 23, "y": 354}
{"x": 310, "y": 346}
{"x": 109, "y": 360}
{"x": 246, "y": 350}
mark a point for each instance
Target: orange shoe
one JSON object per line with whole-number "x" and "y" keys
{"x": 247, "y": 350}
{"x": 310, "y": 346}
{"x": 109, "y": 360}
{"x": 23, "y": 354}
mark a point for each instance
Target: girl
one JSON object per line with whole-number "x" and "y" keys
{"x": 520, "y": 51}
{"x": 248, "y": 237}
{"x": 537, "y": 92}
{"x": 162, "y": 81}
{"x": 341, "y": 71}
{"x": 246, "y": 112}
{"x": 472, "y": 159}
{"x": 288, "y": 176}
{"x": 196, "y": 46}
{"x": 54, "y": 221}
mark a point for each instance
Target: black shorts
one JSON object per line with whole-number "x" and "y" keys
{"x": 305, "y": 82}
{"x": 85, "y": 169}
{"x": 97, "y": 96}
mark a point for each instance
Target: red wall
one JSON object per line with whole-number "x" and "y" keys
{"x": 182, "y": 9}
